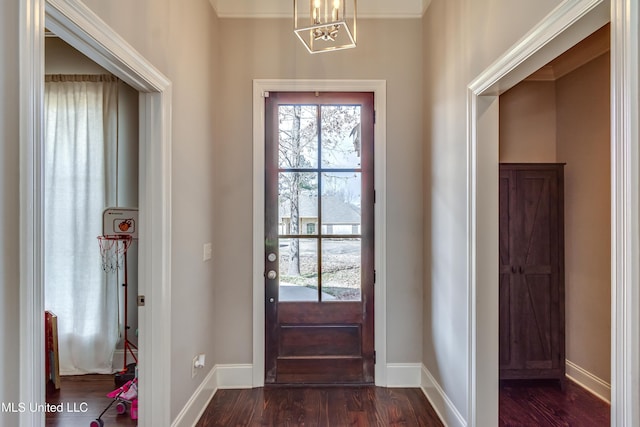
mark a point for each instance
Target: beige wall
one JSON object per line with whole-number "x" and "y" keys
{"x": 461, "y": 39}
{"x": 528, "y": 123}
{"x": 267, "y": 49}
{"x": 579, "y": 130}
{"x": 60, "y": 58}
{"x": 10, "y": 207}
{"x": 584, "y": 144}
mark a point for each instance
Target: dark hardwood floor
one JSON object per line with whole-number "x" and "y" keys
{"x": 319, "y": 406}
{"x": 522, "y": 403}
{"x": 542, "y": 403}
{"x": 83, "y": 398}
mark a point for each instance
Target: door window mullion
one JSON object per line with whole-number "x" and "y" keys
{"x": 319, "y": 178}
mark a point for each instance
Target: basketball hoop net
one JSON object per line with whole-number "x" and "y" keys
{"x": 112, "y": 251}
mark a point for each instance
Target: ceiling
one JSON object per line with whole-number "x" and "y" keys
{"x": 284, "y": 8}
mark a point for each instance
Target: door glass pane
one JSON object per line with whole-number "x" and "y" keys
{"x": 341, "y": 193}
{"x": 298, "y": 270}
{"x": 341, "y": 272}
{"x": 298, "y": 136}
{"x": 341, "y": 136}
{"x": 298, "y": 203}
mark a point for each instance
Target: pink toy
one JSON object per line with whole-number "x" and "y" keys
{"x": 125, "y": 395}
{"x": 115, "y": 393}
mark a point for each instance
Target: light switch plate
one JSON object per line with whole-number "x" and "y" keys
{"x": 207, "y": 252}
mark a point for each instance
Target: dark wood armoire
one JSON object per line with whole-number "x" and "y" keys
{"x": 532, "y": 332}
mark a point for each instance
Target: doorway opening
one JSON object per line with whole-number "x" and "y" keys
{"x": 561, "y": 29}
{"x": 89, "y": 111}
{"x": 567, "y": 102}
{"x": 262, "y": 89}
{"x": 83, "y": 30}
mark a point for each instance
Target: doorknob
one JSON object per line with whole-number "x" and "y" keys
{"x": 272, "y": 257}
{"x": 271, "y": 274}
{"x": 272, "y": 300}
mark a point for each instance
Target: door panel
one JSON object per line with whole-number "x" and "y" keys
{"x": 539, "y": 291}
{"x": 320, "y": 341}
{"x": 319, "y": 238}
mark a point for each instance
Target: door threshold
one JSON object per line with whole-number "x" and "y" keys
{"x": 317, "y": 385}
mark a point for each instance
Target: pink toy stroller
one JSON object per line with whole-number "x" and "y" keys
{"x": 126, "y": 395}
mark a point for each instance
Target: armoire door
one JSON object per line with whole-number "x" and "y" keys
{"x": 531, "y": 271}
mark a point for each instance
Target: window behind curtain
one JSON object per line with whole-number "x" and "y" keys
{"x": 80, "y": 152}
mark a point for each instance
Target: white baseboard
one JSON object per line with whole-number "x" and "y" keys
{"x": 220, "y": 377}
{"x": 196, "y": 405}
{"x": 403, "y": 374}
{"x": 118, "y": 359}
{"x": 234, "y": 376}
{"x": 588, "y": 381}
{"x": 440, "y": 402}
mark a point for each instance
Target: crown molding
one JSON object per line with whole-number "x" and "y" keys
{"x": 272, "y": 9}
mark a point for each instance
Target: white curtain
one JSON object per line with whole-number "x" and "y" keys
{"x": 80, "y": 146}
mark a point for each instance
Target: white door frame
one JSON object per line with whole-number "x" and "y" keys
{"x": 569, "y": 23}
{"x": 84, "y": 30}
{"x": 378, "y": 87}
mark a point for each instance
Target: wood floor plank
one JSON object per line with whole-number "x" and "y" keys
{"x": 244, "y": 408}
{"x": 417, "y": 399}
{"x": 543, "y": 403}
{"x": 376, "y": 402}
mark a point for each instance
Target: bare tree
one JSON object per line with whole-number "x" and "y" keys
{"x": 294, "y": 199}
{"x": 298, "y": 149}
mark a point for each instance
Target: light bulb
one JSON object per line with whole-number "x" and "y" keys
{"x": 317, "y": 4}
{"x": 336, "y": 4}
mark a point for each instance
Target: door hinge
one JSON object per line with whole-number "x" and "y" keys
{"x": 375, "y": 196}
{"x": 374, "y": 357}
{"x": 265, "y": 94}
{"x": 374, "y": 116}
{"x": 375, "y": 276}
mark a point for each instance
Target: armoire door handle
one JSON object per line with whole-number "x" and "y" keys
{"x": 521, "y": 270}
{"x": 513, "y": 269}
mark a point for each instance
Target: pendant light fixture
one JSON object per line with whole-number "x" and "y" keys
{"x": 324, "y": 25}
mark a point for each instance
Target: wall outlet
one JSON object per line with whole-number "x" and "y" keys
{"x": 207, "y": 252}
{"x": 194, "y": 370}
{"x": 197, "y": 363}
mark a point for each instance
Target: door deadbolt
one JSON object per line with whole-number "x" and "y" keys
{"x": 272, "y": 274}
{"x": 272, "y": 257}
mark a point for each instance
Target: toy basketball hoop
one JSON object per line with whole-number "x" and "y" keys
{"x": 119, "y": 229}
